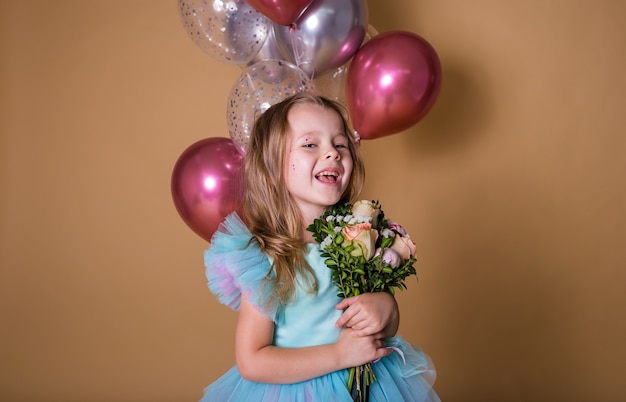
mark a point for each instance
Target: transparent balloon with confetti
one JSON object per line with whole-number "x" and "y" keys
{"x": 260, "y": 86}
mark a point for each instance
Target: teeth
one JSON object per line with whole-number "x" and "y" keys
{"x": 327, "y": 176}
{"x": 332, "y": 174}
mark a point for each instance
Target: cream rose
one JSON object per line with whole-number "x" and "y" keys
{"x": 367, "y": 209}
{"x": 363, "y": 237}
{"x": 404, "y": 246}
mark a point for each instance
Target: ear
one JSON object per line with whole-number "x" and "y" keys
{"x": 357, "y": 137}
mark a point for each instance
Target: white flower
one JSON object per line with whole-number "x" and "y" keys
{"x": 326, "y": 242}
{"x": 366, "y": 208}
{"x": 361, "y": 219}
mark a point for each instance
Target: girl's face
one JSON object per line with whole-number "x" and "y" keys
{"x": 318, "y": 164}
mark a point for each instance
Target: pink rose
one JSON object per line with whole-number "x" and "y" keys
{"x": 404, "y": 246}
{"x": 396, "y": 227}
{"x": 391, "y": 258}
{"x": 363, "y": 237}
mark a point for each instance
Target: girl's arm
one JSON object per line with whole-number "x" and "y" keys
{"x": 258, "y": 360}
{"x": 370, "y": 314}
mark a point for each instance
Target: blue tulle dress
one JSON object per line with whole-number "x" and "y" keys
{"x": 235, "y": 267}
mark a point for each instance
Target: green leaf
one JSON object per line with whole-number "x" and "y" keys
{"x": 338, "y": 239}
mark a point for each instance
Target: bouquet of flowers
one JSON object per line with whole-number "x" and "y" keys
{"x": 366, "y": 253}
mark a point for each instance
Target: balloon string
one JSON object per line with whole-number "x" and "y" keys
{"x": 297, "y": 53}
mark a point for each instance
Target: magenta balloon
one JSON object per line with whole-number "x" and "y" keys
{"x": 283, "y": 12}
{"x": 392, "y": 83}
{"x": 207, "y": 184}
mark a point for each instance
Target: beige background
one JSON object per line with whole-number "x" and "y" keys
{"x": 512, "y": 187}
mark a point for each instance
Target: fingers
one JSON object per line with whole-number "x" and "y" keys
{"x": 361, "y": 332}
{"x": 368, "y": 332}
{"x": 345, "y": 318}
{"x": 364, "y": 325}
{"x": 382, "y": 352}
{"x": 364, "y": 313}
{"x": 345, "y": 303}
{"x": 349, "y": 313}
{"x": 365, "y": 348}
{"x": 355, "y": 319}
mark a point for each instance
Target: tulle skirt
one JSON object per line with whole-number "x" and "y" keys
{"x": 405, "y": 375}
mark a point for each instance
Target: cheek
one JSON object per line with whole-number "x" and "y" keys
{"x": 348, "y": 166}
{"x": 293, "y": 162}
{"x": 348, "y": 172}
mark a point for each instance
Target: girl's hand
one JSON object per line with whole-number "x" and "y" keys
{"x": 356, "y": 351}
{"x": 370, "y": 314}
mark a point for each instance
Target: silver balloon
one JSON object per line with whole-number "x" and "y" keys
{"x": 326, "y": 36}
{"x": 332, "y": 84}
{"x": 230, "y": 31}
{"x": 259, "y": 87}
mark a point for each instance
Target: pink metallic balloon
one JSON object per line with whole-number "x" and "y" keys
{"x": 392, "y": 83}
{"x": 207, "y": 184}
{"x": 283, "y": 12}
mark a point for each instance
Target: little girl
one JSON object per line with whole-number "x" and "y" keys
{"x": 295, "y": 338}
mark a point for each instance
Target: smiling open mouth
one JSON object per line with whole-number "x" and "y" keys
{"x": 327, "y": 177}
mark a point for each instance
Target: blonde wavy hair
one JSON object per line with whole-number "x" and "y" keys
{"x": 269, "y": 209}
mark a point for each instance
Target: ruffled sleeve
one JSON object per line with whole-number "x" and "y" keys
{"x": 236, "y": 266}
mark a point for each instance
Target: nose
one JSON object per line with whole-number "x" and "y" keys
{"x": 332, "y": 153}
